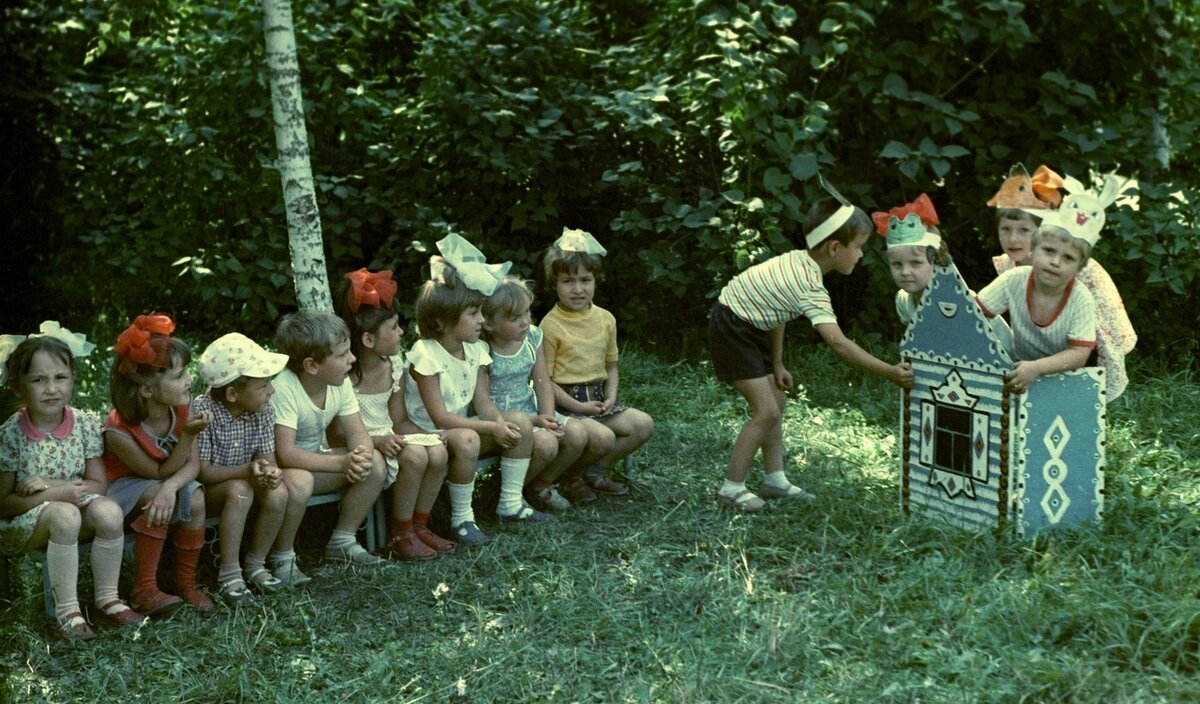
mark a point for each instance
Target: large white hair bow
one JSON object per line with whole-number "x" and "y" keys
{"x": 469, "y": 264}
{"x": 579, "y": 241}
{"x": 74, "y": 341}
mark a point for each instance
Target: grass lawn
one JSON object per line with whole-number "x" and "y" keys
{"x": 663, "y": 596}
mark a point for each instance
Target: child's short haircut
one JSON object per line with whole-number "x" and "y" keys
{"x": 441, "y": 302}
{"x": 511, "y": 296}
{"x": 125, "y": 389}
{"x": 558, "y": 261}
{"x": 858, "y": 224}
{"x": 1085, "y": 249}
{"x": 309, "y": 333}
{"x": 18, "y": 363}
{"x": 1016, "y": 214}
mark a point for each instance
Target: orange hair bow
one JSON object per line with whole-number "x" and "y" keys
{"x": 373, "y": 289}
{"x": 922, "y": 207}
{"x": 146, "y": 341}
{"x": 1045, "y": 186}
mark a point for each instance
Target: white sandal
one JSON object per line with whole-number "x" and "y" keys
{"x": 744, "y": 500}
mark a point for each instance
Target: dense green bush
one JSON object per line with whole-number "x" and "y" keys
{"x": 686, "y": 134}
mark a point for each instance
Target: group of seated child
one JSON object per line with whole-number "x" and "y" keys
{"x": 338, "y": 409}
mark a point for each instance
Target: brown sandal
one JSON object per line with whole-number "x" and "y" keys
{"x": 73, "y": 627}
{"x": 119, "y": 613}
{"x": 605, "y": 484}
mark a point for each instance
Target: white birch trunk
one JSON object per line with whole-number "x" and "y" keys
{"x": 295, "y": 170}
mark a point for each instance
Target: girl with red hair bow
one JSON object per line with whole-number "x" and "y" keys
{"x": 416, "y": 461}
{"x": 151, "y": 461}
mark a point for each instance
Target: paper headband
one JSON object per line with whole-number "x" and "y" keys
{"x": 374, "y": 290}
{"x": 76, "y": 342}
{"x": 821, "y": 232}
{"x": 146, "y": 341}
{"x": 1037, "y": 192}
{"x": 579, "y": 241}
{"x": 469, "y": 264}
{"x": 906, "y": 226}
{"x": 1082, "y": 212}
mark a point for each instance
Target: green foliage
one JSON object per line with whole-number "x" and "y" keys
{"x": 686, "y": 134}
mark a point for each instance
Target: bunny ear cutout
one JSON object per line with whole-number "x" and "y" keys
{"x": 1110, "y": 190}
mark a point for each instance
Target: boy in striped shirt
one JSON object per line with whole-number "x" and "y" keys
{"x": 745, "y": 335}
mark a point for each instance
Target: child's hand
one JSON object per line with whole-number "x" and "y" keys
{"x": 591, "y": 408}
{"x": 196, "y": 423}
{"x": 73, "y": 493}
{"x": 783, "y": 379}
{"x": 902, "y": 375}
{"x": 29, "y": 486}
{"x": 265, "y": 474}
{"x": 159, "y": 508}
{"x": 358, "y": 464}
{"x": 388, "y": 445}
{"x": 506, "y": 434}
{"x": 1022, "y": 375}
{"x": 549, "y": 422}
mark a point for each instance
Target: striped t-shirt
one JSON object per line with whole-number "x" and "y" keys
{"x": 1072, "y": 325}
{"x": 779, "y": 290}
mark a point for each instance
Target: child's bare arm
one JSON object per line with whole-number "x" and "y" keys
{"x": 543, "y": 392}
{"x": 215, "y": 474}
{"x": 291, "y": 456}
{"x": 612, "y": 382}
{"x": 848, "y": 351}
{"x": 431, "y": 397}
{"x": 1025, "y": 373}
{"x": 783, "y": 378}
{"x": 179, "y": 468}
{"x": 505, "y": 433}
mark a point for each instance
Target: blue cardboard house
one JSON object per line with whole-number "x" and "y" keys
{"x": 979, "y": 456}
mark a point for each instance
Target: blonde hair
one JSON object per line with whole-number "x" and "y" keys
{"x": 442, "y": 301}
{"x": 1060, "y": 233}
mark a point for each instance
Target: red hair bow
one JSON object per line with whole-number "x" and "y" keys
{"x": 146, "y": 341}
{"x": 372, "y": 289}
{"x": 922, "y": 206}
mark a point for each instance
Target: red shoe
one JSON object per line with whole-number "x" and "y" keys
{"x": 73, "y": 627}
{"x": 408, "y": 547}
{"x": 155, "y": 603}
{"x": 432, "y": 539}
{"x": 119, "y": 613}
{"x": 192, "y": 596}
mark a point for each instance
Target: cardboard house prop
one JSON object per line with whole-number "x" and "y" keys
{"x": 979, "y": 456}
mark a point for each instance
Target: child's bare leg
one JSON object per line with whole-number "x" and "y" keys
{"x": 545, "y": 451}
{"x": 765, "y": 417}
{"x": 233, "y": 499}
{"x": 358, "y": 498}
{"x": 284, "y": 571}
{"x": 272, "y": 510}
{"x": 632, "y": 428}
{"x": 402, "y": 542}
{"x": 299, "y": 484}
{"x": 431, "y": 485}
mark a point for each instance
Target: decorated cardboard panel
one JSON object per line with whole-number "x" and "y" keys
{"x": 951, "y": 468}
{"x": 1058, "y": 458}
{"x": 950, "y": 328}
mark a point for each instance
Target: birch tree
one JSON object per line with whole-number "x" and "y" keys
{"x": 295, "y": 169}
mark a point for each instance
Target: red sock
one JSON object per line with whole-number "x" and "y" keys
{"x": 147, "y": 551}
{"x": 188, "y": 542}
{"x": 539, "y": 484}
{"x": 400, "y": 527}
{"x": 420, "y": 519}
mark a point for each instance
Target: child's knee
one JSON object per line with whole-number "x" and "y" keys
{"x": 275, "y": 500}
{"x": 522, "y": 421}
{"x": 644, "y": 426}
{"x": 198, "y": 503}
{"x": 545, "y": 445}
{"x": 463, "y": 442}
{"x": 63, "y": 519}
{"x": 105, "y": 517}
{"x": 413, "y": 458}
{"x": 299, "y": 485}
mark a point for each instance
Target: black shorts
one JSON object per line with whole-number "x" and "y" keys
{"x": 738, "y": 349}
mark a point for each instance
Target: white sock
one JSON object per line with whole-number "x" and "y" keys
{"x": 62, "y": 562}
{"x": 460, "y": 503}
{"x": 277, "y": 557}
{"x": 512, "y": 480}
{"x": 729, "y": 488}
{"x": 778, "y": 480}
{"x": 106, "y": 567}
{"x": 341, "y": 539}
